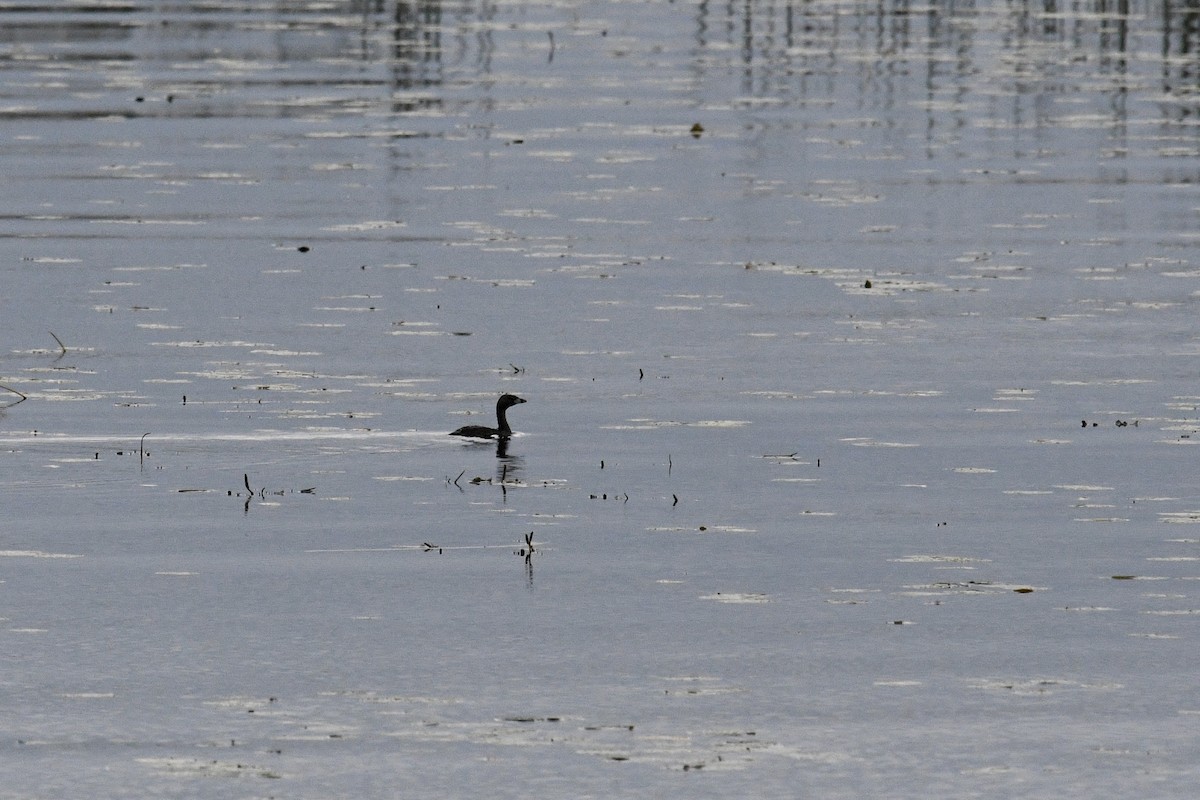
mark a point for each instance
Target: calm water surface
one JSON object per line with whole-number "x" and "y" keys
{"x": 860, "y": 349}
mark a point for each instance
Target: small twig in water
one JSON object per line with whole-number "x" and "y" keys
{"x": 14, "y": 391}
{"x": 62, "y": 347}
{"x": 551, "y": 57}
{"x": 246, "y": 479}
{"x": 141, "y": 448}
{"x": 528, "y": 550}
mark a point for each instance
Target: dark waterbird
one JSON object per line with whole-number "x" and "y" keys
{"x": 502, "y": 430}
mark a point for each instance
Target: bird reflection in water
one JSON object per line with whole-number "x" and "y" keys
{"x": 508, "y": 467}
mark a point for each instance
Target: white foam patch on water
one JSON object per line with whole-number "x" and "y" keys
{"x": 752, "y": 598}
{"x": 35, "y": 554}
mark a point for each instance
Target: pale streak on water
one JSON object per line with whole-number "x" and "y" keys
{"x": 857, "y": 454}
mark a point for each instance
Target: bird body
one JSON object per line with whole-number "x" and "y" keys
{"x": 502, "y": 429}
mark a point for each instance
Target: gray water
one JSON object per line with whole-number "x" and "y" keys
{"x": 861, "y": 361}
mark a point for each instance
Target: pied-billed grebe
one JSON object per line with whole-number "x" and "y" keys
{"x": 501, "y": 431}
